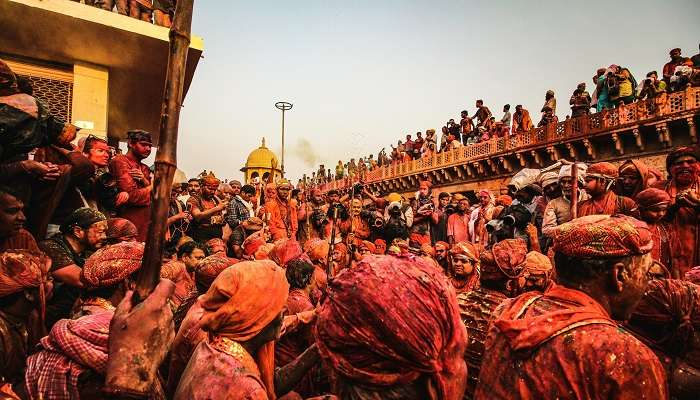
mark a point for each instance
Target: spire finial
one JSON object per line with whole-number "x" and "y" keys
{"x": 263, "y": 142}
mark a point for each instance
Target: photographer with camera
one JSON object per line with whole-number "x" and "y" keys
{"x": 424, "y": 214}
{"x": 580, "y": 101}
{"x": 398, "y": 218}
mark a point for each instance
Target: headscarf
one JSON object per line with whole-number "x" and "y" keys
{"x": 651, "y": 198}
{"x": 241, "y": 302}
{"x": 111, "y": 265}
{"x": 71, "y": 348}
{"x": 121, "y": 229}
{"x": 504, "y": 200}
{"x": 284, "y": 251}
{"x": 565, "y": 171}
{"x": 316, "y": 249}
{"x": 548, "y": 178}
{"x": 387, "y": 322}
{"x": 603, "y": 236}
{"x": 209, "y": 268}
{"x": 8, "y": 80}
{"x": 252, "y": 243}
{"x": 83, "y": 217}
{"x": 342, "y": 249}
{"x": 668, "y": 315}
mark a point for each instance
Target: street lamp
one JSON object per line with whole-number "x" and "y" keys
{"x": 284, "y": 106}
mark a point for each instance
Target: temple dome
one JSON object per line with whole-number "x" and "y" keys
{"x": 262, "y": 157}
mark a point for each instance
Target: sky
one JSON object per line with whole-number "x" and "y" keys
{"x": 363, "y": 74}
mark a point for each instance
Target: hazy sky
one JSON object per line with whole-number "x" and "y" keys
{"x": 363, "y": 74}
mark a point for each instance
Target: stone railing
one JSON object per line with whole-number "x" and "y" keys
{"x": 608, "y": 120}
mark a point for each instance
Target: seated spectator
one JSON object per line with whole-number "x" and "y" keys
{"x": 580, "y": 101}
{"x": 13, "y": 236}
{"x": 81, "y": 234}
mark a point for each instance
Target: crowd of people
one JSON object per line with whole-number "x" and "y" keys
{"x": 159, "y": 12}
{"x": 613, "y": 87}
{"x": 580, "y": 282}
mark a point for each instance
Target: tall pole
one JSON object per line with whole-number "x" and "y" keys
{"x": 166, "y": 156}
{"x": 284, "y": 106}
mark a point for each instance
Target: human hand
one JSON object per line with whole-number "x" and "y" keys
{"x": 139, "y": 338}
{"x": 137, "y": 175}
{"x": 45, "y": 171}
{"x": 122, "y": 198}
{"x": 531, "y": 230}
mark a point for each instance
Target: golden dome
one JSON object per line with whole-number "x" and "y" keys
{"x": 262, "y": 157}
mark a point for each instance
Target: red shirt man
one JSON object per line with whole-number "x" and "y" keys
{"x": 134, "y": 178}
{"x": 564, "y": 343}
{"x": 458, "y": 223}
{"x": 283, "y": 216}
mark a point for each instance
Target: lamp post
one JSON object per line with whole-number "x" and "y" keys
{"x": 284, "y": 106}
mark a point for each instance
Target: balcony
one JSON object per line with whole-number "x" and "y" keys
{"x": 634, "y": 129}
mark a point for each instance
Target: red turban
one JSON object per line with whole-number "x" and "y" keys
{"x": 253, "y": 242}
{"x": 111, "y": 265}
{"x": 603, "y": 236}
{"x": 241, "y": 302}
{"x": 668, "y": 315}
{"x": 603, "y": 170}
{"x": 443, "y": 244}
{"x": 209, "y": 268}
{"x": 649, "y": 199}
{"x": 121, "y": 229}
{"x": 378, "y": 245}
{"x": 389, "y": 321}
{"x": 465, "y": 248}
{"x": 215, "y": 245}
{"x": 21, "y": 270}
{"x": 317, "y": 249}
{"x": 509, "y": 255}
{"x": 368, "y": 246}
{"x": 537, "y": 263}
{"x": 285, "y": 250}
{"x": 211, "y": 181}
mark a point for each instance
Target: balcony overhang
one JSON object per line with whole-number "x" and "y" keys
{"x": 134, "y": 52}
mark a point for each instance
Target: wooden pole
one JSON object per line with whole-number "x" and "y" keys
{"x": 574, "y": 190}
{"x": 166, "y": 156}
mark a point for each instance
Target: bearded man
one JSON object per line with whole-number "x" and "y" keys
{"x": 684, "y": 189}
{"x": 81, "y": 234}
{"x": 134, "y": 177}
{"x": 442, "y": 250}
{"x": 569, "y": 331}
{"x": 634, "y": 176}
{"x": 464, "y": 267}
{"x": 558, "y": 211}
{"x": 283, "y": 215}
{"x": 480, "y": 216}
{"x": 600, "y": 178}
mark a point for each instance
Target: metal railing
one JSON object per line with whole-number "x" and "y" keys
{"x": 587, "y": 125}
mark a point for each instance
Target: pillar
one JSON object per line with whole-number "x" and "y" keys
{"x": 90, "y": 99}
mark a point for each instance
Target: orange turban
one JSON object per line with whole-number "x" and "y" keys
{"x": 603, "y": 170}
{"x": 241, "y": 302}
{"x": 253, "y": 242}
{"x": 209, "y": 268}
{"x": 504, "y": 200}
{"x": 284, "y": 251}
{"x": 465, "y": 248}
{"x": 603, "y": 236}
{"x": 21, "y": 270}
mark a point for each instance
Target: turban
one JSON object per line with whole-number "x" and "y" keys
{"x": 392, "y": 197}
{"x": 693, "y": 275}
{"x": 681, "y": 152}
{"x": 537, "y": 263}
{"x": 565, "y": 171}
{"x": 316, "y": 249}
{"x": 241, "y": 302}
{"x": 677, "y": 49}
{"x": 83, "y": 217}
{"x": 504, "y": 200}
{"x": 341, "y": 248}
{"x": 121, "y": 229}
{"x": 253, "y": 242}
{"x": 547, "y": 178}
{"x": 234, "y": 182}
{"x": 20, "y": 270}
{"x": 668, "y": 315}
{"x": 8, "y": 80}
{"x": 139, "y": 136}
{"x": 263, "y": 252}
{"x": 215, "y": 245}
{"x": 649, "y": 199}
{"x": 111, "y": 265}
{"x": 485, "y": 192}
{"x": 603, "y": 236}
{"x": 172, "y": 270}
{"x": 458, "y": 197}
{"x": 367, "y": 245}
{"x": 284, "y": 251}
{"x": 428, "y": 250}
{"x": 209, "y": 268}
{"x": 316, "y": 192}
{"x": 253, "y": 224}
{"x": 525, "y": 177}
{"x": 389, "y": 321}
{"x": 604, "y": 170}
{"x": 211, "y": 181}
{"x": 550, "y": 92}
{"x": 443, "y": 244}
{"x": 509, "y": 256}
{"x": 425, "y": 184}
{"x": 467, "y": 249}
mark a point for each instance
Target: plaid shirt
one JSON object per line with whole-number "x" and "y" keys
{"x": 237, "y": 212}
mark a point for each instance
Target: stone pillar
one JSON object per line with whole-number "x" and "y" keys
{"x": 90, "y": 99}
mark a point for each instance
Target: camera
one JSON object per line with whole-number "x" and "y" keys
{"x": 358, "y": 187}
{"x": 395, "y": 208}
